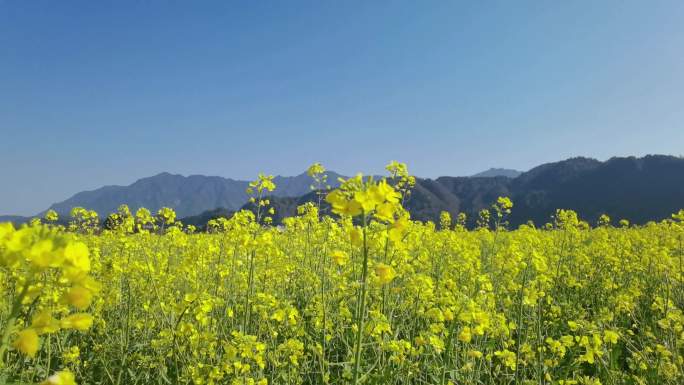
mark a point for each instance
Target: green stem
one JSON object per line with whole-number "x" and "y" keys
{"x": 520, "y": 321}
{"x": 14, "y": 314}
{"x": 362, "y": 308}
{"x": 323, "y": 348}
{"x": 250, "y": 285}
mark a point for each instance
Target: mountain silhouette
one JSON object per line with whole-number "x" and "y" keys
{"x": 636, "y": 189}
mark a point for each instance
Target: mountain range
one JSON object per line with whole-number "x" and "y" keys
{"x": 492, "y": 172}
{"x": 188, "y": 196}
{"x": 636, "y": 189}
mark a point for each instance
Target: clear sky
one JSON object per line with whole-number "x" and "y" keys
{"x": 106, "y": 92}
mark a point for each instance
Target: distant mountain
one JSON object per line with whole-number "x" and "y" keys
{"x": 494, "y": 172}
{"x": 636, "y": 189}
{"x": 200, "y": 220}
{"x": 188, "y": 196}
{"x": 16, "y": 219}
{"x": 455, "y": 195}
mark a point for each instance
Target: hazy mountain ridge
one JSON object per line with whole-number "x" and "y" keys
{"x": 495, "y": 172}
{"x": 187, "y": 195}
{"x": 18, "y": 219}
{"x": 637, "y": 189}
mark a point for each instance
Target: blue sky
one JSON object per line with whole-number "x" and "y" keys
{"x": 106, "y": 92}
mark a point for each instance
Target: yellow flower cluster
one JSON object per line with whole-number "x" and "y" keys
{"x": 364, "y": 295}
{"x": 356, "y": 197}
{"x": 47, "y": 286}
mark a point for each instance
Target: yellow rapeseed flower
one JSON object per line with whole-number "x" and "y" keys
{"x": 79, "y": 297}
{"x": 44, "y": 323}
{"x": 27, "y": 342}
{"x": 78, "y": 321}
{"x": 610, "y": 336}
{"x": 385, "y": 273}
{"x": 42, "y": 255}
{"x": 465, "y": 335}
{"x": 339, "y": 257}
{"x": 76, "y": 253}
{"x": 6, "y": 228}
{"x": 63, "y": 377}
